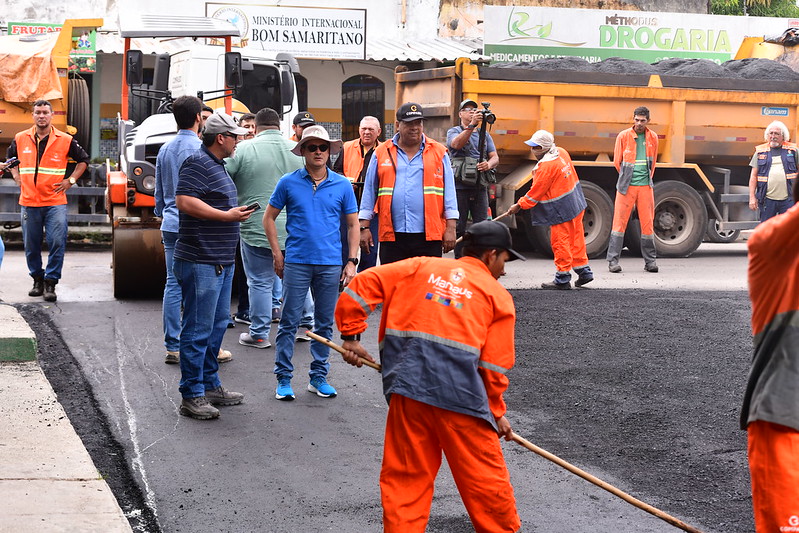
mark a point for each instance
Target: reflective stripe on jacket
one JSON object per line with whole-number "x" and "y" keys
{"x": 788, "y": 156}
{"x": 624, "y": 156}
{"x": 555, "y": 193}
{"x": 446, "y": 333}
{"x": 52, "y": 168}
{"x": 772, "y": 394}
{"x": 433, "y": 182}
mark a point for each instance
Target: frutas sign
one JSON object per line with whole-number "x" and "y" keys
{"x": 531, "y": 33}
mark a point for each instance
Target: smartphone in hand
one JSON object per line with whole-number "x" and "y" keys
{"x": 254, "y": 206}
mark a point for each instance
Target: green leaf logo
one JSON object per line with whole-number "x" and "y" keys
{"x": 521, "y": 19}
{"x": 544, "y": 31}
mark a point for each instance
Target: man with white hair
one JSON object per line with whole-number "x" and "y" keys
{"x": 634, "y": 156}
{"x": 773, "y": 172}
{"x": 557, "y": 200}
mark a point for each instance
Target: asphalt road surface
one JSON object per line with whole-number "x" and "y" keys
{"x": 640, "y": 387}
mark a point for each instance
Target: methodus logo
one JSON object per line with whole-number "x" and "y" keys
{"x": 520, "y": 27}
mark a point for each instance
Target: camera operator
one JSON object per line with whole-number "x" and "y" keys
{"x": 463, "y": 143}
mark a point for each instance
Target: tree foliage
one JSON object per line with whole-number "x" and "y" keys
{"x": 755, "y": 8}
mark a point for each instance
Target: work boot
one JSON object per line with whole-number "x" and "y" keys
{"x": 551, "y": 285}
{"x": 224, "y": 356}
{"x": 49, "y": 290}
{"x": 614, "y": 267}
{"x": 222, "y": 396}
{"x": 38, "y": 287}
{"x": 172, "y": 358}
{"x": 198, "y": 408}
{"x": 651, "y": 267}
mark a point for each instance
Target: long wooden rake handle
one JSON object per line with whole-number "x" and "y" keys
{"x": 503, "y": 215}
{"x": 339, "y": 349}
{"x": 599, "y": 483}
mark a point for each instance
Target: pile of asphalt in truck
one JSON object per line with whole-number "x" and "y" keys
{"x": 749, "y": 68}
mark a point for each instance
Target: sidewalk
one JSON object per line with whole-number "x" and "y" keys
{"x": 48, "y": 482}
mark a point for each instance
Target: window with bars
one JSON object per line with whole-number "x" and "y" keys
{"x": 361, "y": 95}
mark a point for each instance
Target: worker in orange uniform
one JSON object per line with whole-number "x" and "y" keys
{"x": 635, "y": 156}
{"x": 557, "y": 200}
{"x": 444, "y": 392}
{"x": 770, "y": 411}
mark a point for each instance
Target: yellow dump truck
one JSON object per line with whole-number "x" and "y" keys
{"x": 708, "y": 129}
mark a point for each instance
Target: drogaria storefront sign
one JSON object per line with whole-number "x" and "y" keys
{"x": 529, "y": 33}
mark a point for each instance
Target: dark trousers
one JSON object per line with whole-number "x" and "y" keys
{"x": 474, "y": 202}
{"x": 408, "y": 245}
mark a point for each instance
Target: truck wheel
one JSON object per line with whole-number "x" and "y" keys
{"x": 680, "y": 221}
{"x": 597, "y": 221}
{"x": 714, "y": 235}
{"x": 78, "y": 110}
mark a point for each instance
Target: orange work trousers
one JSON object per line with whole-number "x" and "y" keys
{"x": 568, "y": 244}
{"x": 774, "y": 469}
{"x": 641, "y": 197}
{"x": 416, "y": 434}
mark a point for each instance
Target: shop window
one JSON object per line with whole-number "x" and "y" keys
{"x": 361, "y": 96}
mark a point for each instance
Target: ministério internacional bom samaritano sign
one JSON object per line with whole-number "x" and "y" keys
{"x": 524, "y": 34}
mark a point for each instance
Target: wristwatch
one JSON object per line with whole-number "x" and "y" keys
{"x": 364, "y": 228}
{"x": 72, "y": 181}
{"x": 353, "y": 260}
{"x": 471, "y": 126}
{"x": 351, "y": 337}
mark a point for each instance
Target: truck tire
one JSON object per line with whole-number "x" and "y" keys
{"x": 78, "y": 110}
{"x": 714, "y": 235}
{"x": 597, "y": 223}
{"x": 680, "y": 221}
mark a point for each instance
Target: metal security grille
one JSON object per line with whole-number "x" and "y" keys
{"x": 361, "y": 96}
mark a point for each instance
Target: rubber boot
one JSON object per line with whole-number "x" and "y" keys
{"x": 38, "y": 287}
{"x": 615, "y": 244}
{"x": 649, "y": 253}
{"x": 49, "y": 290}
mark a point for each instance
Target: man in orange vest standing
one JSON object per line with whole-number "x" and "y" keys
{"x": 770, "y": 412}
{"x": 557, "y": 200}
{"x": 446, "y": 345}
{"x": 353, "y": 162}
{"x": 410, "y": 188}
{"x": 634, "y": 156}
{"x": 43, "y": 152}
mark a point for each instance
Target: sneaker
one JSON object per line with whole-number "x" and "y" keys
{"x": 301, "y": 334}
{"x": 275, "y": 315}
{"x": 284, "y": 391}
{"x": 245, "y": 339}
{"x": 321, "y": 388}
{"x": 551, "y": 285}
{"x": 224, "y": 356}
{"x": 649, "y": 267}
{"x": 242, "y": 318}
{"x": 199, "y": 408}
{"x": 172, "y": 358}
{"x": 614, "y": 267}
{"x": 49, "y": 290}
{"x": 38, "y": 287}
{"x": 583, "y": 280}
{"x": 222, "y": 396}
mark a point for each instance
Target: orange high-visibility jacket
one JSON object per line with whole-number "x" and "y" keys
{"x": 433, "y": 182}
{"x": 52, "y": 168}
{"x": 772, "y": 393}
{"x": 353, "y": 162}
{"x": 555, "y": 193}
{"x": 446, "y": 331}
{"x": 624, "y": 156}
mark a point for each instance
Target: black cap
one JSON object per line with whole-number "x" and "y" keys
{"x": 491, "y": 234}
{"x": 409, "y": 112}
{"x": 304, "y": 118}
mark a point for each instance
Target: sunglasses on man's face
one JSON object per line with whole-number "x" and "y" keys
{"x": 315, "y": 147}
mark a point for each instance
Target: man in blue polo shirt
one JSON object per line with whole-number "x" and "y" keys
{"x": 315, "y": 199}
{"x": 203, "y": 265}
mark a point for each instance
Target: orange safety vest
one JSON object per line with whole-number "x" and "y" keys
{"x": 353, "y": 159}
{"x": 52, "y": 168}
{"x": 433, "y": 183}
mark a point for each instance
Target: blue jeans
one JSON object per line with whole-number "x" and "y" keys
{"x": 277, "y": 291}
{"x": 772, "y": 208}
{"x": 2, "y": 251}
{"x": 323, "y": 282}
{"x": 369, "y": 260}
{"x": 260, "y": 272}
{"x": 172, "y": 297}
{"x": 49, "y": 222}
{"x": 206, "y": 313}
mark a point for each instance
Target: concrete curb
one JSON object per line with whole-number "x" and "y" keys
{"x": 18, "y": 343}
{"x": 48, "y": 481}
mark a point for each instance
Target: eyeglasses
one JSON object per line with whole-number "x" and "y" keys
{"x": 314, "y": 147}
{"x": 231, "y": 135}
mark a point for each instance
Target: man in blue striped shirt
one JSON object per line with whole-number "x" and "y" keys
{"x": 203, "y": 265}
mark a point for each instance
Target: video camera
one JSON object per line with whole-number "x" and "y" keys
{"x": 488, "y": 116}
